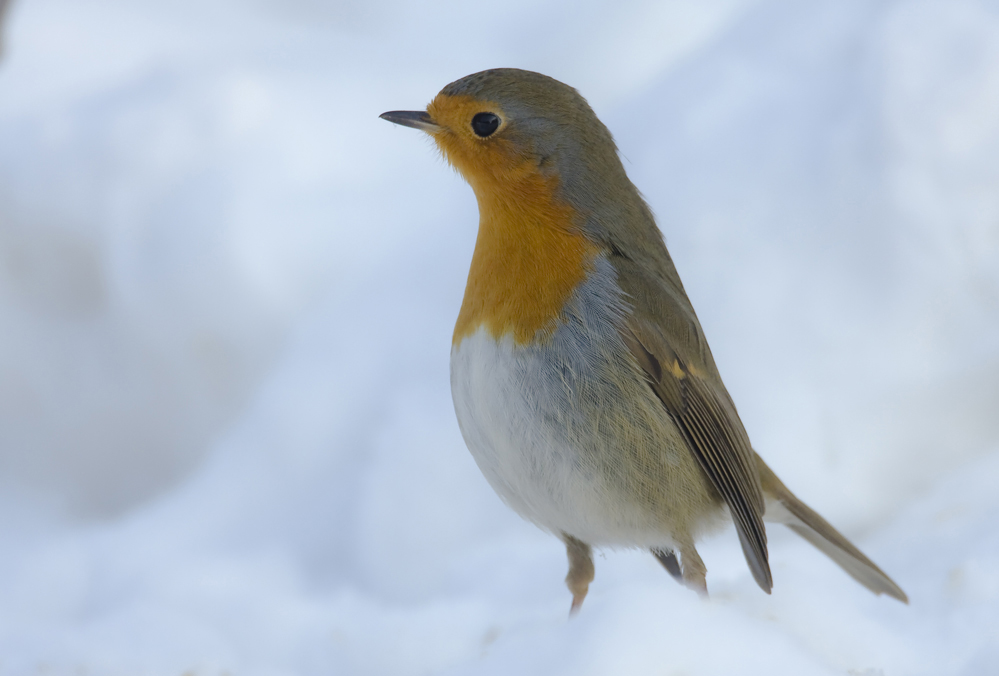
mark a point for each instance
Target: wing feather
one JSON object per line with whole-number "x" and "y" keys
{"x": 716, "y": 437}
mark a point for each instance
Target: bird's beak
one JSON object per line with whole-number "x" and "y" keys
{"x": 417, "y": 119}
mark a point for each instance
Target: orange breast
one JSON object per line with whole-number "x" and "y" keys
{"x": 529, "y": 258}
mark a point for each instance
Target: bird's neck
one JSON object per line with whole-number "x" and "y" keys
{"x": 530, "y": 256}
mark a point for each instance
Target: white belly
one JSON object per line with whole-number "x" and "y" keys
{"x": 544, "y": 424}
{"x": 512, "y": 432}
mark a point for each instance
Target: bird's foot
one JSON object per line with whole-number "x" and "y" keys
{"x": 580, "y": 571}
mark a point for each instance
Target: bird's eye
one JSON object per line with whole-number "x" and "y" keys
{"x": 484, "y": 124}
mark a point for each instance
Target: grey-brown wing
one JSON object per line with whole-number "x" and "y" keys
{"x": 714, "y": 434}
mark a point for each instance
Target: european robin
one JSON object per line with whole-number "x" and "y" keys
{"x": 581, "y": 378}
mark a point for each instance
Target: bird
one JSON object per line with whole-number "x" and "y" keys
{"x": 581, "y": 378}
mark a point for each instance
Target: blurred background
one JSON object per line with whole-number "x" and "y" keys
{"x": 227, "y": 291}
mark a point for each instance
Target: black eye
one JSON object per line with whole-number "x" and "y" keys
{"x": 484, "y": 124}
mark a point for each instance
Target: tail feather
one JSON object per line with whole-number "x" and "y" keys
{"x": 784, "y": 507}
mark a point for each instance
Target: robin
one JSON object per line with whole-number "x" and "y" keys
{"x": 582, "y": 381}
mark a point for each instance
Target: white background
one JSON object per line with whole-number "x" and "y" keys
{"x": 227, "y": 291}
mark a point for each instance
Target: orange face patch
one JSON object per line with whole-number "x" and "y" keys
{"x": 477, "y": 159}
{"x": 530, "y": 254}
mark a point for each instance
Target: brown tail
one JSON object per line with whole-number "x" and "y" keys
{"x": 784, "y": 507}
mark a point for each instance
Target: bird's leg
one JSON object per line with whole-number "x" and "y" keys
{"x": 667, "y": 557}
{"x": 580, "y": 570}
{"x": 694, "y": 570}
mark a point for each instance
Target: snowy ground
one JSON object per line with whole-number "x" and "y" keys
{"x": 227, "y": 291}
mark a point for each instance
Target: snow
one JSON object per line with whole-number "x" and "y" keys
{"x": 227, "y": 290}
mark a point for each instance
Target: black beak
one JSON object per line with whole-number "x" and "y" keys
{"x": 417, "y": 119}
